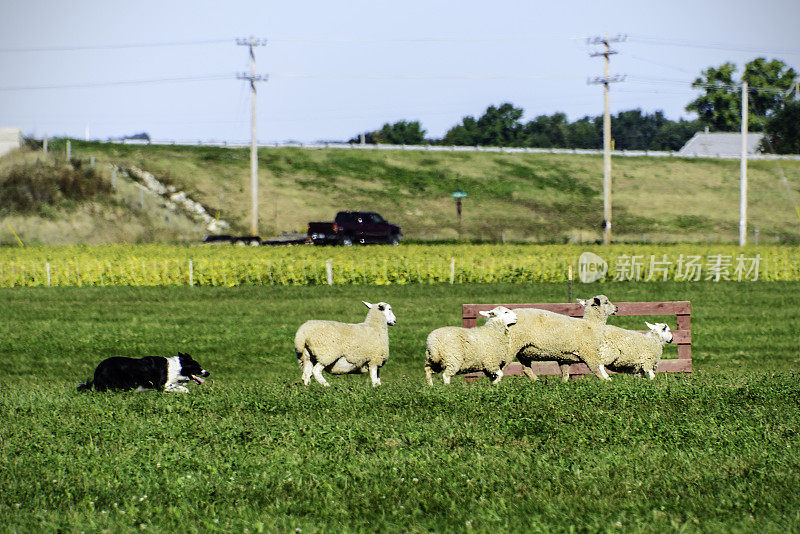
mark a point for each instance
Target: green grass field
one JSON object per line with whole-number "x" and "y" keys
{"x": 257, "y": 451}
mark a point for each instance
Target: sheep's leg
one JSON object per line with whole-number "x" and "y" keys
{"x": 605, "y": 374}
{"x": 528, "y": 369}
{"x": 306, "y": 366}
{"x": 317, "y": 372}
{"x": 429, "y": 374}
{"x": 529, "y": 373}
{"x": 650, "y": 374}
{"x": 564, "y": 371}
{"x": 598, "y": 370}
{"x": 447, "y": 375}
{"x": 373, "y": 374}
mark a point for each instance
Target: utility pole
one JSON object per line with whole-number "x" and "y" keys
{"x": 253, "y": 78}
{"x": 795, "y": 88}
{"x": 606, "y": 80}
{"x": 743, "y": 171}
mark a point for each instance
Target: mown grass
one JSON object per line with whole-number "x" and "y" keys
{"x": 257, "y": 451}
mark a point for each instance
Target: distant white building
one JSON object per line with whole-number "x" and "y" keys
{"x": 10, "y": 139}
{"x": 716, "y": 144}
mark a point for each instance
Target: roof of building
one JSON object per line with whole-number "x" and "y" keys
{"x": 10, "y": 139}
{"x": 720, "y": 144}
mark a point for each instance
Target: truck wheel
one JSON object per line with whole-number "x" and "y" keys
{"x": 394, "y": 240}
{"x": 347, "y": 241}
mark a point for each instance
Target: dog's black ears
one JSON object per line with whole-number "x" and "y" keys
{"x": 183, "y": 355}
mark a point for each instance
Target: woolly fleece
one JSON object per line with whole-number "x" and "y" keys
{"x": 343, "y": 348}
{"x": 632, "y": 351}
{"x": 541, "y": 335}
{"x": 456, "y": 350}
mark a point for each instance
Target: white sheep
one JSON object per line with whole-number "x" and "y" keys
{"x": 632, "y": 351}
{"x": 455, "y": 350}
{"x": 541, "y": 335}
{"x": 343, "y": 348}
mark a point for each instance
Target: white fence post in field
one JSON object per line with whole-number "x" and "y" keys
{"x": 329, "y": 271}
{"x": 191, "y": 273}
{"x": 48, "y": 273}
{"x": 69, "y": 149}
{"x": 452, "y": 270}
{"x": 114, "y": 179}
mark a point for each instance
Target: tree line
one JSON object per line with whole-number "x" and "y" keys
{"x": 773, "y": 108}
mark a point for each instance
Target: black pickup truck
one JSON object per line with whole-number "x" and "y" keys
{"x": 354, "y": 227}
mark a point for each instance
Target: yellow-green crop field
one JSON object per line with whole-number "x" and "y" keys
{"x": 174, "y": 265}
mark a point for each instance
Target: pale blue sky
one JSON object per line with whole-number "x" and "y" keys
{"x": 339, "y": 68}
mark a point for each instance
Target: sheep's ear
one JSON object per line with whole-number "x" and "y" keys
{"x": 650, "y": 326}
{"x": 485, "y": 313}
{"x": 597, "y": 301}
{"x": 367, "y": 304}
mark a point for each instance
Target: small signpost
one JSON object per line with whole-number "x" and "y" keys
{"x": 458, "y": 195}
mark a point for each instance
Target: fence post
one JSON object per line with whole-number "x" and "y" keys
{"x": 69, "y": 149}
{"x": 191, "y": 273}
{"x": 48, "y": 273}
{"x": 452, "y": 270}
{"x": 114, "y": 179}
{"x": 329, "y": 271}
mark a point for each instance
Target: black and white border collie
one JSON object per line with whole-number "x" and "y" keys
{"x": 150, "y": 372}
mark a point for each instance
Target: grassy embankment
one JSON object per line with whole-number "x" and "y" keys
{"x": 713, "y": 452}
{"x": 526, "y": 197}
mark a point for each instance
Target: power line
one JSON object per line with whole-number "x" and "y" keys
{"x": 74, "y": 48}
{"x": 430, "y": 39}
{"x": 735, "y": 86}
{"x": 175, "y": 79}
{"x": 199, "y": 42}
{"x": 657, "y": 41}
{"x": 429, "y": 76}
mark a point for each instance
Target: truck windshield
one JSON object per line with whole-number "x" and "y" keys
{"x": 379, "y": 219}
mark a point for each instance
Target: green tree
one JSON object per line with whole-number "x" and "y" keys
{"x": 546, "y": 131}
{"x": 498, "y": 126}
{"x": 777, "y": 77}
{"x": 782, "y": 130}
{"x": 501, "y": 126}
{"x": 720, "y": 107}
{"x": 464, "y": 134}
{"x": 399, "y": 133}
{"x": 673, "y": 135}
{"x": 586, "y": 133}
{"x": 633, "y": 130}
